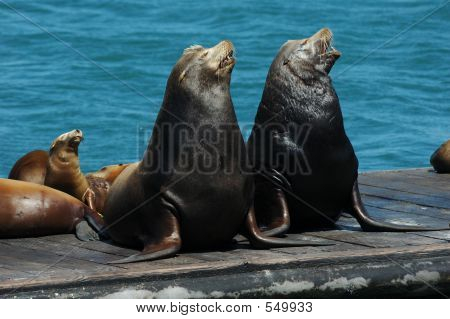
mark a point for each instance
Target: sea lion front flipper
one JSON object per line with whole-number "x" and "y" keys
{"x": 358, "y": 211}
{"x": 167, "y": 246}
{"x": 94, "y": 218}
{"x": 89, "y": 198}
{"x": 271, "y": 209}
{"x": 260, "y": 241}
{"x": 85, "y": 232}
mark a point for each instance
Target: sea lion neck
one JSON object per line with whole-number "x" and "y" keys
{"x": 63, "y": 172}
{"x": 290, "y": 99}
{"x": 209, "y": 103}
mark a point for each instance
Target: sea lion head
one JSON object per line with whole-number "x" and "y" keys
{"x": 308, "y": 56}
{"x": 65, "y": 146}
{"x": 201, "y": 67}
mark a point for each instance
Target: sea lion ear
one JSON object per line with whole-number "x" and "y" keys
{"x": 182, "y": 76}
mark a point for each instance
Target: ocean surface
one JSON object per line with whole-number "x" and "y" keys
{"x": 102, "y": 66}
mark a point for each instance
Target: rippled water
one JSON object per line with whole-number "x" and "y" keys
{"x": 396, "y": 102}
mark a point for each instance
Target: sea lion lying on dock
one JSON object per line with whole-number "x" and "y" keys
{"x": 60, "y": 169}
{"x": 189, "y": 190}
{"x": 110, "y": 172}
{"x": 308, "y": 170}
{"x": 440, "y": 159}
{"x": 31, "y": 167}
{"x": 64, "y": 173}
{"x": 28, "y": 209}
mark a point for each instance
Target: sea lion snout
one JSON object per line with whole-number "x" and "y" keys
{"x": 75, "y": 137}
{"x": 320, "y": 44}
{"x": 71, "y": 139}
{"x": 203, "y": 65}
{"x": 222, "y": 54}
{"x": 307, "y": 56}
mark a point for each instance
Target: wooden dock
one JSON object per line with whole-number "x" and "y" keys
{"x": 360, "y": 264}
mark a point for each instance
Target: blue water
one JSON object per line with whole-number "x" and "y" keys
{"x": 396, "y": 102}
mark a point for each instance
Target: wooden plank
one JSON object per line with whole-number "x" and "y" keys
{"x": 243, "y": 252}
{"x": 296, "y": 261}
{"x": 101, "y": 246}
{"x": 28, "y": 271}
{"x": 400, "y": 206}
{"x": 338, "y": 246}
{"x": 103, "y": 252}
{"x": 444, "y": 235}
{"x": 425, "y": 173}
{"x": 47, "y": 263}
{"x": 7, "y": 274}
{"x": 406, "y": 197}
{"x": 61, "y": 249}
{"x": 379, "y": 240}
{"x": 403, "y": 218}
{"x": 408, "y": 184}
{"x": 182, "y": 258}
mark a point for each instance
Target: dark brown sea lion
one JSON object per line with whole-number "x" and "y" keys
{"x": 110, "y": 172}
{"x": 31, "y": 167}
{"x": 307, "y": 167}
{"x": 28, "y": 209}
{"x": 189, "y": 190}
{"x": 64, "y": 173}
{"x": 441, "y": 158}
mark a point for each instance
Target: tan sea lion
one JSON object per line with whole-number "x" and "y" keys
{"x": 28, "y": 209}
{"x": 60, "y": 169}
{"x": 64, "y": 173}
{"x": 441, "y": 158}
{"x": 110, "y": 172}
{"x": 31, "y": 167}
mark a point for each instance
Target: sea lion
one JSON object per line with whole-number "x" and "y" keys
{"x": 307, "y": 168}
{"x": 60, "y": 169}
{"x": 440, "y": 159}
{"x": 64, "y": 173}
{"x": 28, "y": 209}
{"x": 109, "y": 173}
{"x": 189, "y": 190}
{"x": 31, "y": 167}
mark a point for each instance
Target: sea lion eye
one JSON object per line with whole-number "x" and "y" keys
{"x": 204, "y": 54}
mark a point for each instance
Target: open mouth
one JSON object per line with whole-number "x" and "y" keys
{"x": 75, "y": 141}
{"x": 325, "y": 42}
{"x": 228, "y": 60}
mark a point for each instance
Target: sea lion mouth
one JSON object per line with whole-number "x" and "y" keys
{"x": 228, "y": 60}
{"x": 75, "y": 141}
{"x": 225, "y": 55}
{"x": 76, "y": 138}
{"x": 324, "y": 39}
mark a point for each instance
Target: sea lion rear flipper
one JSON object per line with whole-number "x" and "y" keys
{"x": 162, "y": 250}
{"x": 261, "y": 241}
{"x": 85, "y": 232}
{"x": 166, "y": 247}
{"x": 358, "y": 211}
